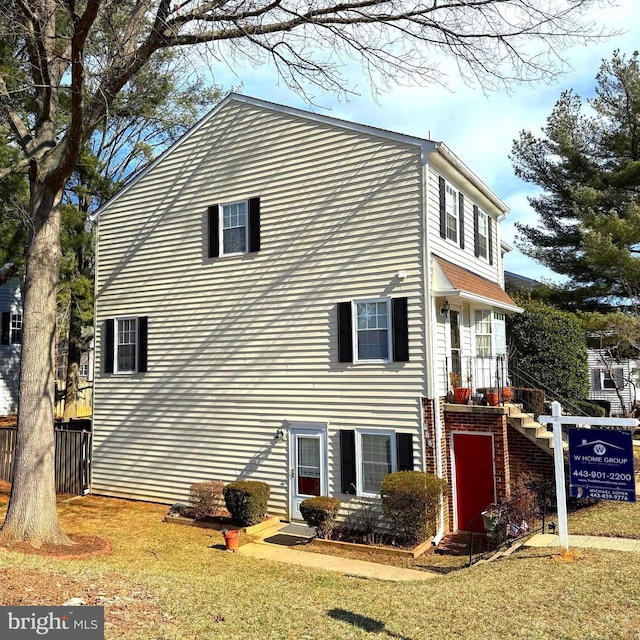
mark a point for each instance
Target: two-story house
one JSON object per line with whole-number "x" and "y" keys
{"x": 10, "y": 344}
{"x": 282, "y": 296}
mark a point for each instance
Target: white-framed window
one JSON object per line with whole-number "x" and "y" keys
{"x": 84, "y": 369}
{"x": 372, "y": 330}
{"x": 126, "y": 345}
{"x": 499, "y": 334}
{"x": 483, "y": 333}
{"x": 451, "y": 213}
{"x": 490, "y": 333}
{"x": 483, "y": 235}
{"x": 612, "y": 379}
{"x": 16, "y": 328}
{"x": 234, "y": 236}
{"x": 376, "y": 458}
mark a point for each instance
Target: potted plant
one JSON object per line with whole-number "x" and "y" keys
{"x": 492, "y": 396}
{"x": 507, "y": 393}
{"x": 461, "y": 394}
{"x": 231, "y": 539}
{"x": 491, "y": 518}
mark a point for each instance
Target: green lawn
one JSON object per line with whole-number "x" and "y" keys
{"x": 202, "y": 592}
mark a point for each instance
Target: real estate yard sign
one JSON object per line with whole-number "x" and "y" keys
{"x": 601, "y": 464}
{"x": 557, "y": 420}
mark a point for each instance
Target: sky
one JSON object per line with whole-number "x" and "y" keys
{"x": 478, "y": 127}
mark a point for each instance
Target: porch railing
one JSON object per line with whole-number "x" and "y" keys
{"x": 478, "y": 372}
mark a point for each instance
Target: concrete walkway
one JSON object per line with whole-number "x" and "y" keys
{"x": 584, "y": 542}
{"x": 359, "y": 568}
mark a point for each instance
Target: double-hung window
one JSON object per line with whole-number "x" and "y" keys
{"x": 499, "y": 334}
{"x": 126, "y": 344}
{"x": 483, "y": 333}
{"x": 612, "y": 379}
{"x": 377, "y": 458}
{"x": 234, "y": 227}
{"x": 11, "y": 328}
{"x": 490, "y": 334}
{"x": 483, "y": 235}
{"x": 16, "y": 328}
{"x": 372, "y": 330}
{"x": 451, "y": 208}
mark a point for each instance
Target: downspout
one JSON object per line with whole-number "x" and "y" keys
{"x": 430, "y": 364}
{"x": 96, "y": 261}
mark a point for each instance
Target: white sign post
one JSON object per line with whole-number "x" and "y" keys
{"x": 557, "y": 420}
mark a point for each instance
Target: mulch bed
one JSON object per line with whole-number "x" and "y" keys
{"x": 129, "y": 611}
{"x": 83, "y": 547}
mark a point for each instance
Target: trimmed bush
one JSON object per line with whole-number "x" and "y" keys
{"x": 247, "y": 501}
{"x": 410, "y": 501}
{"x": 206, "y": 498}
{"x": 320, "y": 512}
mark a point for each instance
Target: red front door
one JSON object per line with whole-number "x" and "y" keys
{"x": 475, "y": 487}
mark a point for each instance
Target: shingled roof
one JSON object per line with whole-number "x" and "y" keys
{"x": 463, "y": 280}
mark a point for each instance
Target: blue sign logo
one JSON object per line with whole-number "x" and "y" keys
{"x": 601, "y": 464}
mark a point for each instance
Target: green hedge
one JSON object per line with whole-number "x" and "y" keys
{"x": 410, "y": 501}
{"x": 247, "y": 501}
{"x": 320, "y": 512}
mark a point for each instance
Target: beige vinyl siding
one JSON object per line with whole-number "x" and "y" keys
{"x": 596, "y": 392}
{"x": 450, "y": 250}
{"x": 239, "y": 345}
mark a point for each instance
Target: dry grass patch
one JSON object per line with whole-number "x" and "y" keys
{"x": 607, "y": 518}
{"x": 184, "y": 586}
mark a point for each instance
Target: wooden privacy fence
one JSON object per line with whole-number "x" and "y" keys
{"x": 72, "y": 461}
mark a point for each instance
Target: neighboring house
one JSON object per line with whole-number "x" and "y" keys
{"x": 281, "y": 296}
{"x": 10, "y": 341}
{"x": 613, "y": 382}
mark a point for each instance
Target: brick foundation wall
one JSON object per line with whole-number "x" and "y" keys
{"x": 527, "y": 457}
{"x": 429, "y": 435}
{"x": 475, "y": 419}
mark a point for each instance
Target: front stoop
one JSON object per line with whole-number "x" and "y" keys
{"x": 530, "y": 429}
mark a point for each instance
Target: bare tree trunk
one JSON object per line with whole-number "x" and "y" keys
{"x": 73, "y": 361}
{"x": 32, "y": 512}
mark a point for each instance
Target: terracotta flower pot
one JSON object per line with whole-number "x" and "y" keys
{"x": 461, "y": 395}
{"x": 492, "y": 398}
{"x": 507, "y": 394}
{"x": 231, "y": 539}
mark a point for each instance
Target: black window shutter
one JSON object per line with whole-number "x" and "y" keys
{"x": 108, "y": 351}
{"x": 6, "y": 328}
{"x": 404, "y": 451}
{"x": 214, "y": 231}
{"x": 254, "y": 224}
{"x": 476, "y": 232}
{"x": 400, "y": 326}
{"x": 490, "y": 234}
{"x": 461, "y": 218}
{"x": 443, "y": 208}
{"x": 345, "y": 341}
{"x": 142, "y": 344}
{"x": 348, "y": 461}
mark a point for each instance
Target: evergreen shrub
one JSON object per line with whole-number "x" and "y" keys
{"x": 410, "y": 501}
{"x": 320, "y": 512}
{"x": 247, "y": 501}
